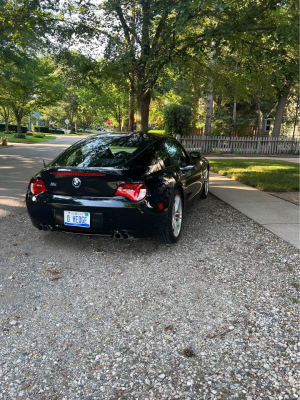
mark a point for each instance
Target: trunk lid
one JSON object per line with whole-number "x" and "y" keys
{"x": 86, "y": 182}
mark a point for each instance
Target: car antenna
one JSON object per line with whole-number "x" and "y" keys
{"x": 44, "y": 163}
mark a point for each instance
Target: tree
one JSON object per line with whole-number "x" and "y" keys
{"x": 267, "y": 33}
{"x": 5, "y": 113}
{"x": 177, "y": 120}
{"x": 145, "y": 47}
{"x": 29, "y": 86}
{"x": 25, "y": 28}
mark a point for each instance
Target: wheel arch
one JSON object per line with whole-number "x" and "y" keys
{"x": 181, "y": 191}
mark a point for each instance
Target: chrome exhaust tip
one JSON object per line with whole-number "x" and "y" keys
{"x": 127, "y": 235}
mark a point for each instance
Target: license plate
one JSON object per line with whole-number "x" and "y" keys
{"x": 75, "y": 218}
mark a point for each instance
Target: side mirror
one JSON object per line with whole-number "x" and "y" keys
{"x": 195, "y": 155}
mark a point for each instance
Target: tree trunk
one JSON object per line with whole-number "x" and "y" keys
{"x": 234, "y": 116}
{"x": 18, "y": 124}
{"x": 18, "y": 116}
{"x": 131, "y": 75}
{"x": 234, "y": 102}
{"x": 259, "y": 117}
{"x": 5, "y": 113}
{"x": 18, "y": 119}
{"x": 143, "y": 104}
{"x": 210, "y": 97}
{"x": 209, "y": 108}
{"x": 131, "y": 103}
{"x": 119, "y": 118}
{"x": 280, "y": 108}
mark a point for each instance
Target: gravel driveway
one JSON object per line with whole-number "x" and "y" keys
{"x": 214, "y": 317}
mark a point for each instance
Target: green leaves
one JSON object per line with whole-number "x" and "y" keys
{"x": 177, "y": 120}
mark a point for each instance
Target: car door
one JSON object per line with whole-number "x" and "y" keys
{"x": 176, "y": 159}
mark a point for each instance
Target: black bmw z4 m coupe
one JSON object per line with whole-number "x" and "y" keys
{"x": 122, "y": 185}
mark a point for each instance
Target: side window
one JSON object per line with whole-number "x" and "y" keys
{"x": 165, "y": 156}
{"x": 172, "y": 153}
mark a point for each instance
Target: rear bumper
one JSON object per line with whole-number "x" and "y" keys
{"x": 108, "y": 215}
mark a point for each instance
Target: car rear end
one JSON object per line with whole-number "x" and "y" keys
{"x": 105, "y": 200}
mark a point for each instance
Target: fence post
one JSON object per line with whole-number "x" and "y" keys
{"x": 297, "y": 146}
{"x": 258, "y": 145}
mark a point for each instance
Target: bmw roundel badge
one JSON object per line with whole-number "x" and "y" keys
{"x": 76, "y": 182}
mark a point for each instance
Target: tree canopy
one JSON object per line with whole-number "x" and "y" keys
{"x": 243, "y": 54}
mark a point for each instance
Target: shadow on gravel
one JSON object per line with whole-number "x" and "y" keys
{"x": 92, "y": 318}
{"x": 195, "y": 222}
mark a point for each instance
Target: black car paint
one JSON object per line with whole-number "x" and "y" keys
{"x": 108, "y": 212}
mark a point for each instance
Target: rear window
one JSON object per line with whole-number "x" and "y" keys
{"x": 107, "y": 151}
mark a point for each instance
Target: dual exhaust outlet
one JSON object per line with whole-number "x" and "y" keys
{"x": 122, "y": 235}
{"x": 43, "y": 227}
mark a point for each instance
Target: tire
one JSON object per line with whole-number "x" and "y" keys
{"x": 172, "y": 229}
{"x": 204, "y": 191}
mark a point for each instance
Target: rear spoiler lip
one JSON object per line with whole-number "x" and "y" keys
{"x": 73, "y": 173}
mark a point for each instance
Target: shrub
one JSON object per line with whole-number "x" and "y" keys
{"x": 8, "y": 133}
{"x": 19, "y": 135}
{"x": 56, "y": 131}
{"x": 39, "y": 135}
{"x": 177, "y": 120}
{"x": 13, "y": 128}
{"x": 29, "y": 134}
{"x": 43, "y": 129}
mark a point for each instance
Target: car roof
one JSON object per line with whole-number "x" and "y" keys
{"x": 153, "y": 136}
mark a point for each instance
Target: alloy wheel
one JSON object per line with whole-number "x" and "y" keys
{"x": 177, "y": 215}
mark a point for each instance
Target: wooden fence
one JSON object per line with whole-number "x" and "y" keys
{"x": 239, "y": 145}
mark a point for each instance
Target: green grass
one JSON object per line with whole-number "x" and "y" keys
{"x": 162, "y": 132}
{"x": 266, "y": 175}
{"x": 294, "y": 300}
{"x": 28, "y": 139}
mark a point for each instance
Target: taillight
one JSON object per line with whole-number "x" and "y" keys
{"x": 37, "y": 186}
{"x": 134, "y": 191}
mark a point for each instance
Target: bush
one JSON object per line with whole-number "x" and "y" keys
{"x": 39, "y": 135}
{"x": 8, "y": 133}
{"x": 177, "y": 120}
{"x": 56, "y": 131}
{"x": 19, "y": 135}
{"x": 29, "y": 134}
{"x": 13, "y": 128}
{"x": 43, "y": 129}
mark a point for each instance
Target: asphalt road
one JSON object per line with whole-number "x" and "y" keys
{"x": 17, "y": 165}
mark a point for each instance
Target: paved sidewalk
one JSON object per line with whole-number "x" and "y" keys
{"x": 277, "y": 215}
{"x": 293, "y": 197}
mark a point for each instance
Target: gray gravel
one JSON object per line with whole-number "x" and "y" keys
{"x": 214, "y": 317}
